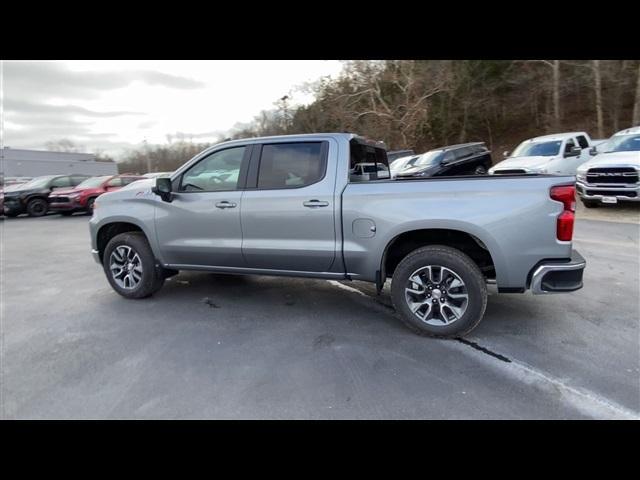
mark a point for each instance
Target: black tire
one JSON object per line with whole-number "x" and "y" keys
{"x": 37, "y": 207}
{"x": 480, "y": 170}
{"x": 590, "y": 203}
{"x": 463, "y": 267}
{"x": 152, "y": 277}
{"x": 90, "y": 203}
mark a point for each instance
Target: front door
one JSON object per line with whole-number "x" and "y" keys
{"x": 288, "y": 213}
{"x": 201, "y": 226}
{"x": 569, "y": 165}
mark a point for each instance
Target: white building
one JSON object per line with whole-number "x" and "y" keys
{"x": 34, "y": 163}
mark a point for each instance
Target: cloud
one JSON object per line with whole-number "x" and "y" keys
{"x": 37, "y": 80}
{"x": 16, "y": 107}
{"x": 147, "y": 124}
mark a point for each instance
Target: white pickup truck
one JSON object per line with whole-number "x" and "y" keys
{"x": 613, "y": 175}
{"x": 560, "y": 153}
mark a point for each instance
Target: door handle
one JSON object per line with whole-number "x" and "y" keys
{"x": 315, "y": 203}
{"x": 225, "y": 204}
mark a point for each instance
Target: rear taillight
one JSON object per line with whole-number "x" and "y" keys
{"x": 564, "y": 226}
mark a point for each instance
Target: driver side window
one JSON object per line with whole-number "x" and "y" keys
{"x": 570, "y": 144}
{"x": 217, "y": 172}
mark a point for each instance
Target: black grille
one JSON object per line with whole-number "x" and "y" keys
{"x": 612, "y": 193}
{"x": 508, "y": 172}
{"x": 612, "y": 175}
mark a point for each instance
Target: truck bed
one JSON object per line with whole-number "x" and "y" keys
{"x": 512, "y": 216}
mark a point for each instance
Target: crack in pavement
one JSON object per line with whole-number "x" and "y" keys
{"x": 585, "y": 401}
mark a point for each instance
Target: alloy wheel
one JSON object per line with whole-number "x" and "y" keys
{"x": 126, "y": 267}
{"x": 436, "y": 295}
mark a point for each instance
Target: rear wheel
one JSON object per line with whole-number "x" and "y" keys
{"x": 439, "y": 291}
{"x": 37, "y": 207}
{"x": 590, "y": 203}
{"x": 480, "y": 170}
{"x": 130, "y": 266}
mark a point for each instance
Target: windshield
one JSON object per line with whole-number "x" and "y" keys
{"x": 404, "y": 162}
{"x": 93, "y": 182}
{"x": 542, "y": 149}
{"x": 429, "y": 158}
{"x": 40, "y": 182}
{"x": 623, "y": 143}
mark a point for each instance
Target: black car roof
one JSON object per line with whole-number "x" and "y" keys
{"x": 459, "y": 145}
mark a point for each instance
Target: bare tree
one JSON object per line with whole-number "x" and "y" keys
{"x": 597, "y": 76}
{"x": 635, "y": 121}
{"x": 556, "y": 93}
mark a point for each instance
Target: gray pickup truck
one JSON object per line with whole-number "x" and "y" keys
{"x": 295, "y": 206}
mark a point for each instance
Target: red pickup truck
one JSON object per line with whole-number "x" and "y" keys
{"x": 81, "y": 198}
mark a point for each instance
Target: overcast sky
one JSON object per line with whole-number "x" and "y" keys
{"x": 115, "y": 105}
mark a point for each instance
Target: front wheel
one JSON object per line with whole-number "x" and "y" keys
{"x": 90, "y": 203}
{"x": 130, "y": 266}
{"x": 37, "y": 207}
{"x": 439, "y": 291}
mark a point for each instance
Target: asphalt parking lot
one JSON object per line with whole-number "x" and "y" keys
{"x": 217, "y": 346}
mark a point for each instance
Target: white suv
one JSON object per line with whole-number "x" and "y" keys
{"x": 613, "y": 175}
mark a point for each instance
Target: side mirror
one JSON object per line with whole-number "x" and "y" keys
{"x": 593, "y": 151}
{"x": 505, "y": 154}
{"x": 574, "y": 152}
{"x": 163, "y": 189}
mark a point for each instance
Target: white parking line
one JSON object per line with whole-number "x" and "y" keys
{"x": 585, "y": 401}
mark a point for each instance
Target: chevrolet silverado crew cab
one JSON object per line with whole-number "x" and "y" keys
{"x": 288, "y": 206}
{"x": 560, "y": 153}
{"x": 614, "y": 174}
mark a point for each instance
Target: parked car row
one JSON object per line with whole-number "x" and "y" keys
{"x": 608, "y": 171}
{"x": 64, "y": 194}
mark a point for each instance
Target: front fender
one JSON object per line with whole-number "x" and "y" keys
{"x": 139, "y": 212}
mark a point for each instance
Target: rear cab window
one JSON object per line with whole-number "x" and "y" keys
{"x": 368, "y": 161}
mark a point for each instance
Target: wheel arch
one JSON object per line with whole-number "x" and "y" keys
{"x": 479, "y": 246}
{"x": 110, "y": 229}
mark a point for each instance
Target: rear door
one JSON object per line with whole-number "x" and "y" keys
{"x": 288, "y": 209}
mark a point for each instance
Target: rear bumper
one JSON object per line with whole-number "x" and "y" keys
{"x": 558, "y": 276}
{"x": 625, "y": 193}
